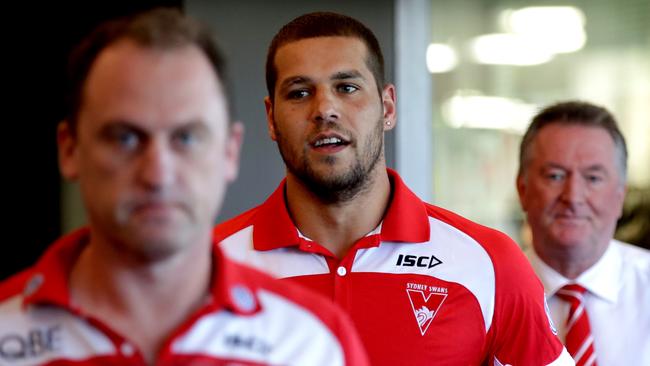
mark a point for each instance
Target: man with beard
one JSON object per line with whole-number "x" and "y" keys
{"x": 148, "y": 139}
{"x": 572, "y": 183}
{"x": 423, "y": 285}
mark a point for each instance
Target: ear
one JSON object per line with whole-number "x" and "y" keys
{"x": 270, "y": 122}
{"x": 233, "y": 150}
{"x": 67, "y": 150}
{"x": 621, "y": 191}
{"x": 389, "y": 104}
{"x": 521, "y": 190}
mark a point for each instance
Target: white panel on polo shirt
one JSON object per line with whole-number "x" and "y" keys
{"x": 74, "y": 339}
{"x": 282, "y": 333}
{"x": 281, "y": 262}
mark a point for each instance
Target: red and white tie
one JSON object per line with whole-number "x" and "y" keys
{"x": 579, "y": 341}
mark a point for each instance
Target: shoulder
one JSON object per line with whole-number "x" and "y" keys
{"x": 632, "y": 252}
{"x": 520, "y": 331}
{"x": 501, "y": 249}
{"x": 11, "y": 301}
{"x": 635, "y": 259}
{"x": 513, "y": 274}
{"x": 14, "y": 285}
{"x": 294, "y": 295}
{"x": 233, "y": 225}
{"x": 304, "y": 319}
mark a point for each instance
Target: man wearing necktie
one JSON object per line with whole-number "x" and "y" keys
{"x": 572, "y": 181}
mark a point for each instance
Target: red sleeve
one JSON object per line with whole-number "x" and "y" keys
{"x": 334, "y": 318}
{"x": 355, "y": 353}
{"x": 330, "y": 314}
{"x": 521, "y": 332}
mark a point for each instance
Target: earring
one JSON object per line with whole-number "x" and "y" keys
{"x": 387, "y": 123}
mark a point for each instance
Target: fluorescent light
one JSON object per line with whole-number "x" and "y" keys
{"x": 441, "y": 58}
{"x": 558, "y": 29}
{"x": 468, "y": 109}
{"x": 508, "y": 49}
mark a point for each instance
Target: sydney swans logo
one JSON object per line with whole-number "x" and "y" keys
{"x": 425, "y": 306}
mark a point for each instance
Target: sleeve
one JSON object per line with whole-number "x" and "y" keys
{"x": 522, "y": 331}
{"x": 338, "y": 322}
{"x": 355, "y": 353}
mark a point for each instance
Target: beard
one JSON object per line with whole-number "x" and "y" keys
{"x": 150, "y": 237}
{"x": 332, "y": 187}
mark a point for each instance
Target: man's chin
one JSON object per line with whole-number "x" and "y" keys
{"x": 151, "y": 244}
{"x": 571, "y": 236}
{"x": 337, "y": 188}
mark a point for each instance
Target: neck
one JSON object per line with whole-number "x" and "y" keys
{"x": 570, "y": 261}
{"x": 337, "y": 226}
{"x": 145, "y": 301}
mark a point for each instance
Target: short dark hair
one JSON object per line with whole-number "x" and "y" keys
{"x": 325, "y": 24}
{"x": 574, "y": 113}
{"x": 161, "y": 28}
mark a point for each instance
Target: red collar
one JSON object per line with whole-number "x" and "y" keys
{"x": 406, "y": 219}
{"x": 231, "y": 285}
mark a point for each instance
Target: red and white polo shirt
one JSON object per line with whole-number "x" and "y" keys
{"x": 426, "y": 287}
{"x": 251, "y": 319}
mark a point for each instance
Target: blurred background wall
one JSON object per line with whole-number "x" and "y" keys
{"x": 469, "y": 76}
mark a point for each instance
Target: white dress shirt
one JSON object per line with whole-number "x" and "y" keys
{"x": 617, "y": 301}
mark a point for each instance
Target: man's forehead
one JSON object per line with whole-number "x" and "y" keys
{"x": 129, "y": 82}
{"x": 323, "y": 57}
{"x": 564, "y": 134}
{"x": 587, "y": 146}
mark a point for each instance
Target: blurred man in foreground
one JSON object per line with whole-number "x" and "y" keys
{"x": 149, "y": 141}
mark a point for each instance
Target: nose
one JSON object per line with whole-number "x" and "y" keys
{"x": 573, "y": 191}
{"x": 325, "y": 108}
{"x": 156, "y": 165}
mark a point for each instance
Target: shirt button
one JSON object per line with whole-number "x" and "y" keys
{"x": 341, "y": 271}
{"x": 127, "y": 349}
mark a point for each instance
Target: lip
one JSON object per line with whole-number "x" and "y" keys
{"x": 329, "y": 148}
{"x": 570, "y": 219}
{"x": 155, "y": 208}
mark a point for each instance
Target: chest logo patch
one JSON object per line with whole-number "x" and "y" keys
{"x": 425, "y": 302}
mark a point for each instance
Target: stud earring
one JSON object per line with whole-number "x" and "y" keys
{"x": 387, "y": 123}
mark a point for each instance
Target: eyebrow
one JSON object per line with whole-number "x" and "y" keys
{"x": 341, "y": 75}
{"x": 593, "y": 167}
{"x": 116, "y": 124}
{"x": 596, "y": 167}
{"x": 294, "y": 80}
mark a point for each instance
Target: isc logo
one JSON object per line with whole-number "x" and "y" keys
{"x": 425, "y": 261}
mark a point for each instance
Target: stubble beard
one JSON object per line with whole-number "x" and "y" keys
{"x": 154, "y": 240}
{"x": 339, "y": 188}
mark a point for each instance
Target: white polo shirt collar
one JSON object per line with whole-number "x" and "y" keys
{"x": 603, "y": 279}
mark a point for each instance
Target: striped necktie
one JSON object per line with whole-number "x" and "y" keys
{"x": 579, "y": 341}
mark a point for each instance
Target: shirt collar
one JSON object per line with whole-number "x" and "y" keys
{"x": 48, "y": 281}
{"x": 406, "y": 219}
{"x": 603, "y": 279}
{"x": 231, "y": 286}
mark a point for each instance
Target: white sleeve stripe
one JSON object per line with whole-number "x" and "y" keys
{"x": 563, "y": 360}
